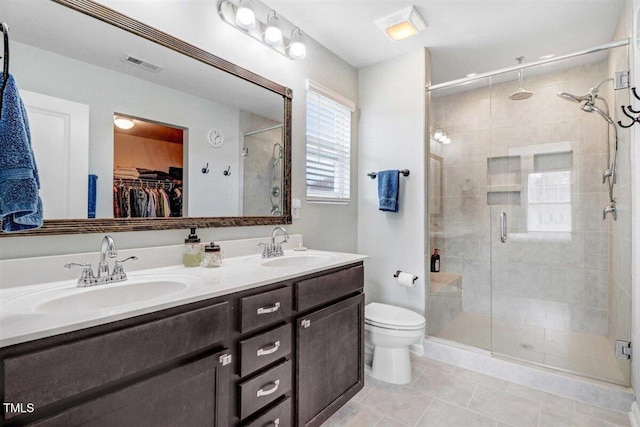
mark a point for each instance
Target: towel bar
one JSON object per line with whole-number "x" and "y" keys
{"x": 404, "y": 172}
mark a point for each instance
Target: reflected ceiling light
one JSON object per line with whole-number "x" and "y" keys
{"x": 547, "y": 56}
{"x": 273, "y": 33}
{"x": 123, "y": 122}
{"x": 297, "y": 48}
{"x": 402, "y": 24}
{"x": 245, "y": 16}
{"x": 472, "y": 74}
{"x": 258, "y": 21}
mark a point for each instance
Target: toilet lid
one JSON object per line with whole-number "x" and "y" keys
{"x": 384, "y": 314}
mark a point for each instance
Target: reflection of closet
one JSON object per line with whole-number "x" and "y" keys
{"x": 148, "y": 166}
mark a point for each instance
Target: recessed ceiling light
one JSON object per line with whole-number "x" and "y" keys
{"x": 402, "y": 24}
{"x": 548, "y": 56}
{"x": 123, "y": 122}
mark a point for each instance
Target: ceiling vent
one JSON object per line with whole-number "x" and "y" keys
{"x": 141, "y": 63}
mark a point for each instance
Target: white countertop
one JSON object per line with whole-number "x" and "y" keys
{"x": 23, "y": 319}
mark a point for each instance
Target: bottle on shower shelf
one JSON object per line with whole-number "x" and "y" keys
{"x": 435, "y": 261}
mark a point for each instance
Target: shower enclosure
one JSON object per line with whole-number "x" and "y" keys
{"x": 262, "y": 155}
{"x": 529, "y": 269}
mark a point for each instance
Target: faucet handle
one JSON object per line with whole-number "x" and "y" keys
{"x": 118, "y": 270}
{"x": 87, "y": 272}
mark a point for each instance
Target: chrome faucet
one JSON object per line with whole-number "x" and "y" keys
{"x": 107, "y": 250}
{"x": 274, "y": 249}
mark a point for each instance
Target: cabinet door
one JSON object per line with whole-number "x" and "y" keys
{"x": 195, "y": 395}
{"x": 330, "y": 359}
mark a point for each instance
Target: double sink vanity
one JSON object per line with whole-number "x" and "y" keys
{"x": 255, "y": 342}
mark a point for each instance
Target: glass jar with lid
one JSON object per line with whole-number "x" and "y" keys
{"x": 213, "y": 256}
{"x": 192, "y": 253}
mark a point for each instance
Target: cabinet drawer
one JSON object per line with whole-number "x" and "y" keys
{"x": 263, "y": 349}
{"x": 321, "y": 289}
{"x": 264, "y": 389}
{"x": 264, "y": 309}
{"x": 280, "y": 416}
{"x": 46, "y": 376}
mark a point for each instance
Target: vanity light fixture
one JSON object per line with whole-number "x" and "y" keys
{"x": 123, "y": 122}
{"x": 263, "y": 24}
{"x": 402, "y": 24}
{"x": 440, "y": 136}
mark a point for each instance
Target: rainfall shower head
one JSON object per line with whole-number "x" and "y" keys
{"x": 521, "y": 93}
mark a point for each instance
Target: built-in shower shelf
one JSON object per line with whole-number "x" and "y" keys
{"x": 503, "y": 198}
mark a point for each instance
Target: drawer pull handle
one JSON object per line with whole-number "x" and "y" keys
{"x": 269, "y": 350}
{"x": 264, "y": 392}
{"x": 266, "y": 310}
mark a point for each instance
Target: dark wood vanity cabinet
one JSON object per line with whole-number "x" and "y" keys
{"x": 285, "y": 354}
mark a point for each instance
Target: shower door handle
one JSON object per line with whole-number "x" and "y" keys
{"x": 503, "y": 226}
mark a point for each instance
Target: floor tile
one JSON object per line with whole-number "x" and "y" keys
{"x": 505, "y": 407}
{"x": 353, "y": 415}
{"x": 430, "y": 363}
{"x": 619, "y": 418}
{"x": 447, "y": 387}
{"x": 551, "y": 416}
{"x": 400, "y": 403}
{"x": 443, "y": 414}
{"x": 390, "y": 422}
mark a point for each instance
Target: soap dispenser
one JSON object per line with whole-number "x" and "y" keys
{"x": 192, "y": 255}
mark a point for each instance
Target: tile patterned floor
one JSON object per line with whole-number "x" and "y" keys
{"x": 584, "y": 354}
{"x": 442, "y": 395}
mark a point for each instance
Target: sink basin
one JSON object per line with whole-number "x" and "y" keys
{"x": 136, "y": 289}
{"x": 305, "y": 260}
{"x": 109, "y": 297}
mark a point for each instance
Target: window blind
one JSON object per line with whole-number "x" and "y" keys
{"x": 328, "y": 163}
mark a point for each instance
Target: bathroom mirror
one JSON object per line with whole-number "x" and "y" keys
{"x": 80, "y": 65}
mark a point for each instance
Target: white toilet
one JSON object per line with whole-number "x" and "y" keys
{"x": 391, "y": 330}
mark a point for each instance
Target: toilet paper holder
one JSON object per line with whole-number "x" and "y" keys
{"x": 398, "y": 274}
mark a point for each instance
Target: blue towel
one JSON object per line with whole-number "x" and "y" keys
{"x": 388, "y": 189}
{"x": 91, "y": 207}
{"x": 20, "y": 204}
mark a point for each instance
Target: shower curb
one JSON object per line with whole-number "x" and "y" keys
{"x": 592, "y": 392}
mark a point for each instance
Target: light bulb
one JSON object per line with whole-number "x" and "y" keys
{"x": 123, "y": 123}
{"x": 273, "y": 33}
{"x": 245, "y": 16}
{"x": 437, "y": 135}
{"x": 297, "y": 48}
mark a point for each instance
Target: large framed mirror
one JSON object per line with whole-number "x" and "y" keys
{"x": 134, "y": 129}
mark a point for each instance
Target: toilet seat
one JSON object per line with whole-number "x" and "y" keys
{"x": 394, "y": 318}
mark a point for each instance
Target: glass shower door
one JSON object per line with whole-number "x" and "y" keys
{"x": 551, "y": 290}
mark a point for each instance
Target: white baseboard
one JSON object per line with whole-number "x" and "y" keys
{"x": 418, "y": 350}
{"x": 634, "y": 415}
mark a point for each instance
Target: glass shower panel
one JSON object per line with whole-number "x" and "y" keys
{"x": 550, "y": 249}
{"x": 459, "y": 300}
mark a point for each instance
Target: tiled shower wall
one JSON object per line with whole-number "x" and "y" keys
{"x": 560, "y": 281}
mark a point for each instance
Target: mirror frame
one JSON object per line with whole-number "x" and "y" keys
{"x": 105, "y": 225}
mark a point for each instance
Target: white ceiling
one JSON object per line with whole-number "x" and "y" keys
{"x": 464, "y": 36}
